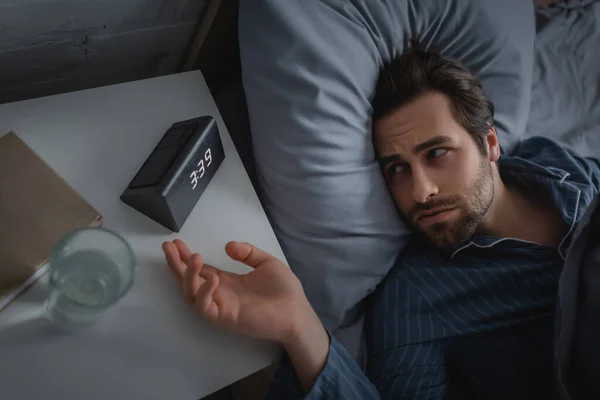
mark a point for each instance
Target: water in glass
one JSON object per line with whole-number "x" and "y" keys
{"x": 83, "y": 285}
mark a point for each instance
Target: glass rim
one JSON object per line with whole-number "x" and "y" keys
{"x": 66, "y": 238}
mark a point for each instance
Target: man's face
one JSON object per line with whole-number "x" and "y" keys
{"x": 441, "y": 182}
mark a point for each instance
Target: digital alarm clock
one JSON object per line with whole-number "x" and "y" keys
{"x": 170, "y": 182}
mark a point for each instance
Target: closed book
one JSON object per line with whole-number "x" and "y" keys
{"x": 37, "y": 208}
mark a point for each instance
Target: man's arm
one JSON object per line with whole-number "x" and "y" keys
{"x": 412, "y": 372}
{"x": 269, "y": 303}
{"x": 308, "y": 350}
{"x": 400, "y": 365}
{"x": 317, "y": 366}
{"x": 341, "y": 378}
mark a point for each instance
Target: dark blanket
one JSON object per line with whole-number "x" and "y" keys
{"x": 578, "y": 312}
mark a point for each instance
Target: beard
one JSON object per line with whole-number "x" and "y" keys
{"x": 473, "y": 204}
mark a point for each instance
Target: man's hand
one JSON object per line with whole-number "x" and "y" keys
{"x": 266, "y": 303}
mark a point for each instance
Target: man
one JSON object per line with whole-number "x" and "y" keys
{"x": 468, "y": 310}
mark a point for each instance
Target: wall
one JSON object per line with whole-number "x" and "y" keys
{"x": 55, "y": 46}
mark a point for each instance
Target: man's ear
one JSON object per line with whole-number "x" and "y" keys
{"x": 493, "y": 145}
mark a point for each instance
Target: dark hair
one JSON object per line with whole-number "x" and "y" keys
{"x": 416, "y": 72}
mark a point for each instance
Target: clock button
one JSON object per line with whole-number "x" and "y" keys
{"x": 177, "y": 136}
{"x": 155, "y": 167}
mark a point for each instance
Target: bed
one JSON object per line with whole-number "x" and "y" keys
{"x": 541, "y": 68}
{"x": 565, "y": 101}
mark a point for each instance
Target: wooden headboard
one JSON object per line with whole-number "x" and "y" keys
{"x": 215, "y": 49}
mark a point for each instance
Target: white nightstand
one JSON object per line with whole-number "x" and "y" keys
{"x": 151, "y": 345}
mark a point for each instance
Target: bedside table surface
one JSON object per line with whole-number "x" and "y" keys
{"x": 151, "y": 345}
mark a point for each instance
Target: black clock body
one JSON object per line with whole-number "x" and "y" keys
{"x": 170, "y": 182}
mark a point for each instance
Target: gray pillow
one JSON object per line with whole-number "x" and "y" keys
{"x": 565, "y": 96}
{"x": 309, "y": 69}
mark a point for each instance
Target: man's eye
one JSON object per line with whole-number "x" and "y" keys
{"x": 437, "y": 153}
{"x": 395, "y": 169}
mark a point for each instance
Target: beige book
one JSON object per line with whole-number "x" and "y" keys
{"x": 37, "y": 208}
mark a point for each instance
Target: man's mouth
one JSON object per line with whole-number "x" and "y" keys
{"x": 436, "y": 215}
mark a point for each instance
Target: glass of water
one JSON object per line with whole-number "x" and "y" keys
{"x": 90, "y": 270}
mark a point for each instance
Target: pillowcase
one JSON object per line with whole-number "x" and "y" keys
{"x": 309, "y": 70}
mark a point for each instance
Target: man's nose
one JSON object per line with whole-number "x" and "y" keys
{"x": 423, "y": 186}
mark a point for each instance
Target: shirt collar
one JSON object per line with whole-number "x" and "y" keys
{"x": 552, "y": 180}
